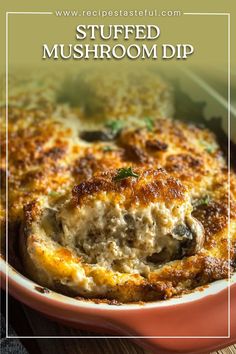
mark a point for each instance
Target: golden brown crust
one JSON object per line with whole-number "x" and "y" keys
{"x": 187, "y": 161}
{"x": 48, "y": 160}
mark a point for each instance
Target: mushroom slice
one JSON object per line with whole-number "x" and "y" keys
{"x": 191, "y": 234}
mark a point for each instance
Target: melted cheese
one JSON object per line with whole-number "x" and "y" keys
{"x": 84, "y": 234}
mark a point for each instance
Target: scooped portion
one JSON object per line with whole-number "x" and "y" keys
{"x": 130, "y": 224}
{"x": 121, "y": 225}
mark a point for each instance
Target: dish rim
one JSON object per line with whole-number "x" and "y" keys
{"x": 29, "y": 286}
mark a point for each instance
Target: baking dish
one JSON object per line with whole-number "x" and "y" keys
{"x": 203, "y": 313}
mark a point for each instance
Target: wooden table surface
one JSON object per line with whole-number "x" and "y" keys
{"x": 27, "y": 322}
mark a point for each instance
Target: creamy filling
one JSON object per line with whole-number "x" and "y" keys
{"x": 137, "y": 240}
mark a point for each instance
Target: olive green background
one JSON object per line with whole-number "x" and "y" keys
{"x": 208, "y": 34}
